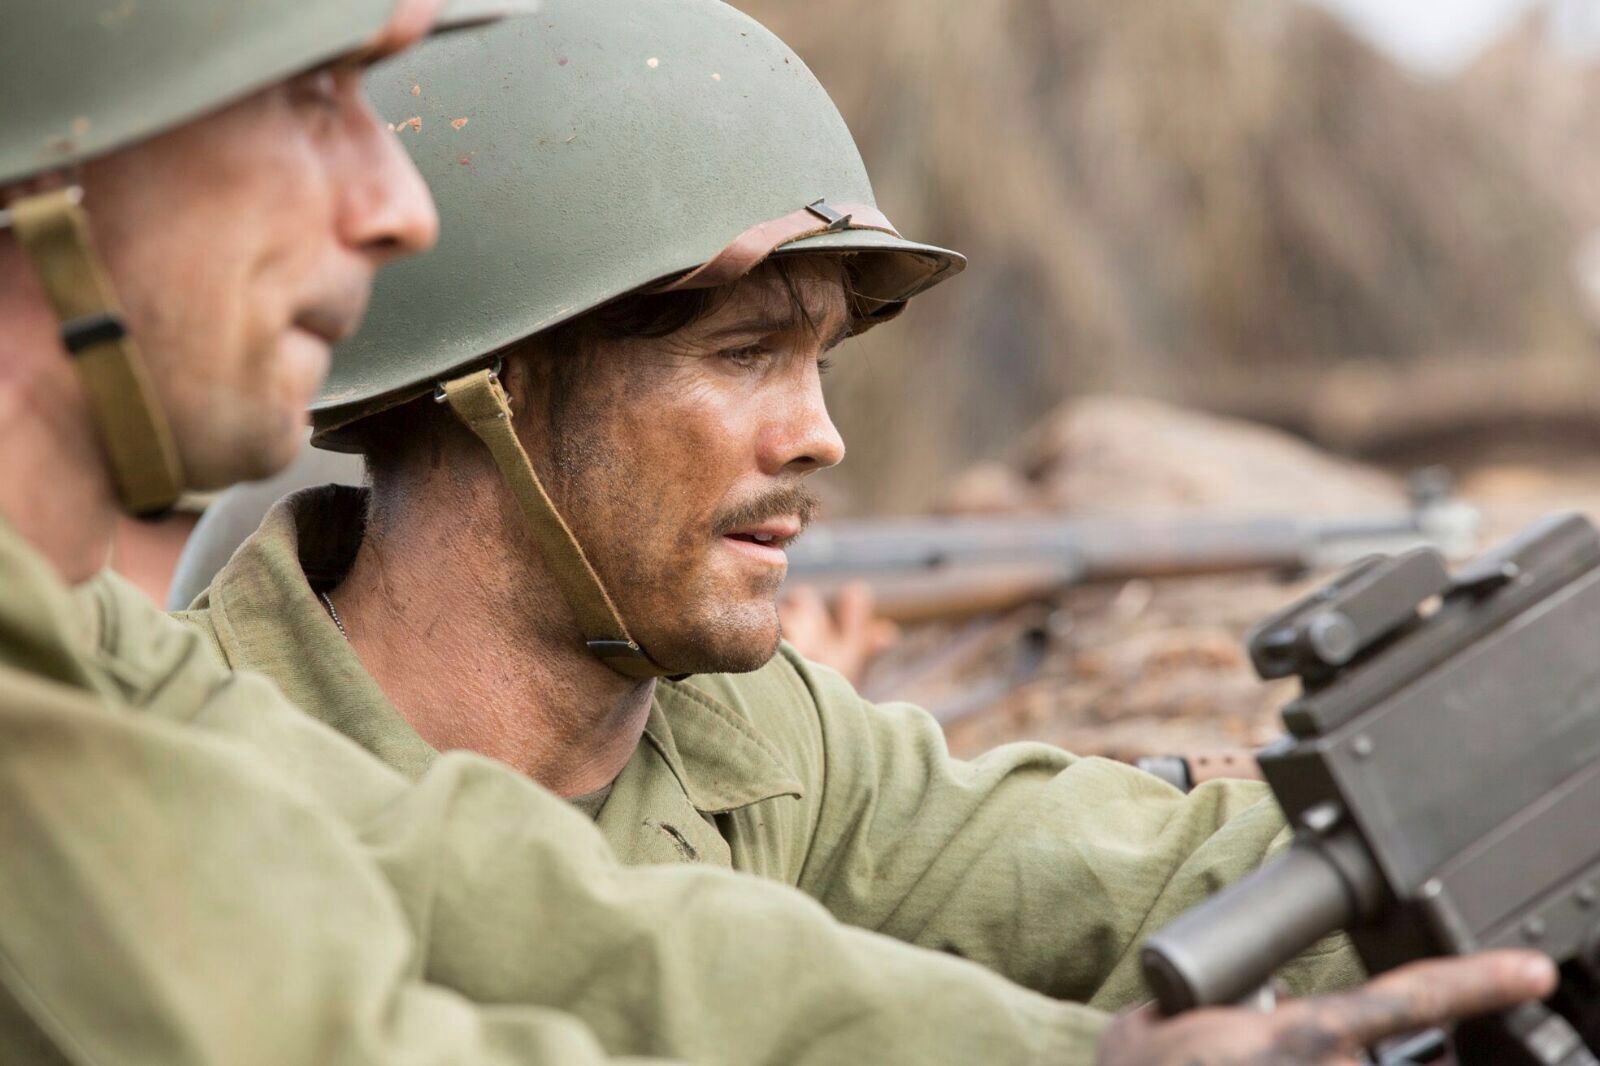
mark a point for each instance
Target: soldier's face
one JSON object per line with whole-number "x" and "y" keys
{"x": 683, "y": 469}
{"x": 243, "y": 245}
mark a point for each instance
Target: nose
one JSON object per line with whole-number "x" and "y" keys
{"x": 803, "y": 439}
{"x": 387, "y": 212}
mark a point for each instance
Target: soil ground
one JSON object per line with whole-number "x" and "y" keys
{"x": 1157, "y": 666}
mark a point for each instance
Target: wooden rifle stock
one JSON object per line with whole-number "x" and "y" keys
{"x": 911, "y": 598}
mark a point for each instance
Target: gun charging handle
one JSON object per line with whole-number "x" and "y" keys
{"x": 1229, "y": 946}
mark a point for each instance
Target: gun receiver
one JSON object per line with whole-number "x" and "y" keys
{"x": 1442, "y": 772}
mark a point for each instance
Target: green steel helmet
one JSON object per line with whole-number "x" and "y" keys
{"x": 81, "y": 79}
{"x": 601, "y": 149}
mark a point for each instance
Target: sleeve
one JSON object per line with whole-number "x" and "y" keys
{"x": 525, "y": 903}
{"x": 168, "y": 898}
{"x": 165, "y": 902}
{"x": 512, "y": 898}
{"x": 1045, "y": 867}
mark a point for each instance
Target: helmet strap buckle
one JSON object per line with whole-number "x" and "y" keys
{"x": 494, "y": 369}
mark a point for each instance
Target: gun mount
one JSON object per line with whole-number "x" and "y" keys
{"x": 1442, "y": 773}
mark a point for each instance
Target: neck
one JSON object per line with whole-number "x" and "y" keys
{"x": 454, "y": 616}
{"x": 55, "y": 489}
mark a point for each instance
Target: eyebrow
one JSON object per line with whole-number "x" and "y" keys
{"x": 768, "y": 326}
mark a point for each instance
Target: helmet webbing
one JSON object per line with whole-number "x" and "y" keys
{"x": 53, "y": 232}
{"x": 480, "y": 402}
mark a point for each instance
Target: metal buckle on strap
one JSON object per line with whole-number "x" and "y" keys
{"x": 494, "y": 375}
{"x": 834, "y": 219}
{"x": 609, "y": 651}
{"x": 90, "y": 330}
{"x": 615, "y": 649}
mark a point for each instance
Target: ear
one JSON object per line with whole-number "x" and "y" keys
{"x": 518, "y": 376}
{"x": 525, "y": 374}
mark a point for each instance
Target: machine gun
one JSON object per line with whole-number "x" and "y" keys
{"x": 922, "y": 569}
{"x": 1442, "y": 773}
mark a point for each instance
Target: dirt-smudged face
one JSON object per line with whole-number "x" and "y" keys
{"x": 243, "y": 245}
{"x": 680, "y": 462}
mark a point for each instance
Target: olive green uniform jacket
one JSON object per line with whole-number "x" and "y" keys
{"x": 1043, "y": 867}
{"x": 195, "y": 871}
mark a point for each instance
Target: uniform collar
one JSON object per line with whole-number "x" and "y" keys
{"x": 719, "y": 758}
{"x": 268, "y": 617}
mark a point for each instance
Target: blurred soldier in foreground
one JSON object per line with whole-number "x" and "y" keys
{"x": 196, "y": 197}
{"x": 588, "y": 420}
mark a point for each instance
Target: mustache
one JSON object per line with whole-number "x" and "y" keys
{"x": 779, "y": 503}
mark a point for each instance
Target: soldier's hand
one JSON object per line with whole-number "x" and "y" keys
{"x": 1332, "y": 1030}
{"x": 845, "y": 638}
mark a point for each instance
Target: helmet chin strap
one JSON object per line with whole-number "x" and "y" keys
{"x": 53, "y": 231}
{"x": 481, "y": 403}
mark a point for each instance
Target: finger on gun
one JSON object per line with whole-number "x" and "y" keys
{"x": 1425, "y": 994}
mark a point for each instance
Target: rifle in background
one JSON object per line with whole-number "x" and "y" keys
{"x": 927, "y": 569}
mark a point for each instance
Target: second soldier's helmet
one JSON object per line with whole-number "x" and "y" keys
{"x": 604, "y": 148}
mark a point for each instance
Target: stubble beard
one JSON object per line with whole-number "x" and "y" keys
{"x": 684, "y": 625}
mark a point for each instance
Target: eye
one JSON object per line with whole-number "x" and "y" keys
{"x": 748, "y": 356}
{"x": 824, "y": 365}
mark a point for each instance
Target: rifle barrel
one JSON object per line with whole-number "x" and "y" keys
{"x": 926, "y": 568}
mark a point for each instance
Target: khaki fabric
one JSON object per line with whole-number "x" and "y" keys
{"x": 1043, "y": 867}
{"x": 197, "y": 872}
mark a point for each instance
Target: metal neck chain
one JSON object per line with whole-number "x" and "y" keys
{"x": 333, "y": 612}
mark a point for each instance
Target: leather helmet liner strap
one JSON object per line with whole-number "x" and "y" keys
{"x": 53, "y": 230}
{"x": 752, "y": 247}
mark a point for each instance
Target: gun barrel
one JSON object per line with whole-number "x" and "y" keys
{"x": 1226, "y": 948}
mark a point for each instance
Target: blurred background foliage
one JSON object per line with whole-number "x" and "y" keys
{"x": 1238, "y": 205}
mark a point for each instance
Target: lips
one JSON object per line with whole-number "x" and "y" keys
{"x": 764, "y": 543}
{"x": 334, "y": 310}
{"x": 773, "y": 533}
{"x": 760, "y": 527}
{"x": 326, "y": 326}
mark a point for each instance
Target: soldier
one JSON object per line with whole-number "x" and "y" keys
{"x": 588, "y": 418}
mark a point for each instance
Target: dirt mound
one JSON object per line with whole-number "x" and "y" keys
{"x": 1131, "y": 456}
{"x": 1138, "y": 667}
{"x": 1156, "y": 197}
{"x": 1155, "y": 666}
